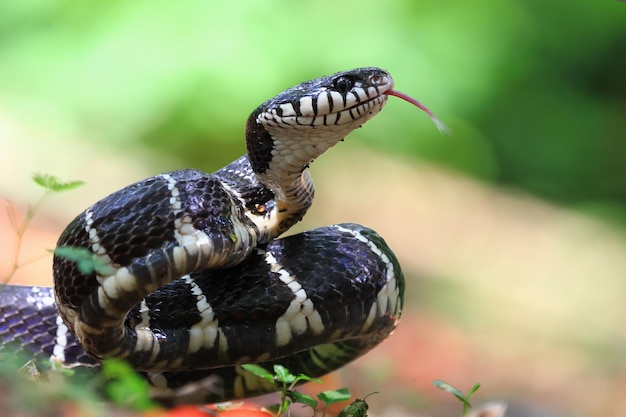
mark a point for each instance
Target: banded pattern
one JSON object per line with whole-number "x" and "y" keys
{"x": 193, "y": 281}
{"x": 261, "y": 310}
{"x": 154, "y": 231}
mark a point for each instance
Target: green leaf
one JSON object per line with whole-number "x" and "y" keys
{"x": 335, "y": 396}
{"x": 358, "y": 408}
{"x": 298, "y": 397}
{"x": 258, "y": 371}
{"x": 84, "y": 260}
{"x": 53, "y": 184}
{"x": 283, "y": 375}
{"x": 126, "y": 387}
{"x": 473, "y": 390}
{"x": 307, "y": 378}
{"x": 449, "y": 388}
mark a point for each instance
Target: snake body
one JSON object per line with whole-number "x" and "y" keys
{"x": 192, "y": 281}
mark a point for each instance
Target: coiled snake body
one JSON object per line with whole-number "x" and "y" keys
{"x": 192, "y": 280}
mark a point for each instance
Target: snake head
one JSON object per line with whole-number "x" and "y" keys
{"x": 286, "y": 133}
{"x": 289, "y": 131}
{"x": 329, "y": 95}
{"x": 328, "y": 100}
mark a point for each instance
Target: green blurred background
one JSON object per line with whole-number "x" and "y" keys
{"x": 510, "y": 231}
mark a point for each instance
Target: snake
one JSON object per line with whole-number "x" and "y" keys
{"x": 193, "y": 278}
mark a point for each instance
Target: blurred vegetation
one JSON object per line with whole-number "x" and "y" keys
{"x": 535, "y": 91}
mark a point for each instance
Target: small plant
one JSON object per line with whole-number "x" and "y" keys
{"x": 84, "y": 260}
{"x": 464, "y": 398}
{"x": 125, "y": 387}
{"x": 358, "y": 408}
{"x": 285, "y": 384}
{"x": 52, "y": 185}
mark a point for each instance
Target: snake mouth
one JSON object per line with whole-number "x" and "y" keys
{"x": 380, "y": 98}
{"x": 325, "y": 110}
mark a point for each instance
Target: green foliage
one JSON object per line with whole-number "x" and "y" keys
{"x": 52, "y": 185}
{"x": 334, "y": 396}
{"x": 285, "y": 383}
{"x": 534, "y": 91}
{"x": 125, "y": 387}
{"x": 29, "y": 389}
{"x": 464, "y": 398}
{"x": 84, "y": 259}
{"x": 358, "y": 408}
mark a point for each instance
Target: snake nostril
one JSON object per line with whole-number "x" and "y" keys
{"x": 378, "y": 79}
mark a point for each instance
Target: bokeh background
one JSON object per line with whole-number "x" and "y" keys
{"x": 510, "y": 231}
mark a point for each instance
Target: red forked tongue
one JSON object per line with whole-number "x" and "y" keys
{"x": 442, "y": 128}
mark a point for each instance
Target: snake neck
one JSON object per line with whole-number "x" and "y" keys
{"x": 294, "y": 198}
{"x": 294, "y": 190}
{"x": 293, "y": 193}
{"x": 272, "y": 209}
{"x": 281, "y": 163}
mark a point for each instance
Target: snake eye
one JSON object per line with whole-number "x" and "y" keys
{"x": 343, "y": 84}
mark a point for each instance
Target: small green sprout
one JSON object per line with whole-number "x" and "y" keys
{"x": 464, "y": 398}
{"x": 285, "y": 383}
{"x": 52, "y": 185}
{"x": 125, "y": 387}
{"x": 358, "y": 408}
{"x": 84, "y": 260}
